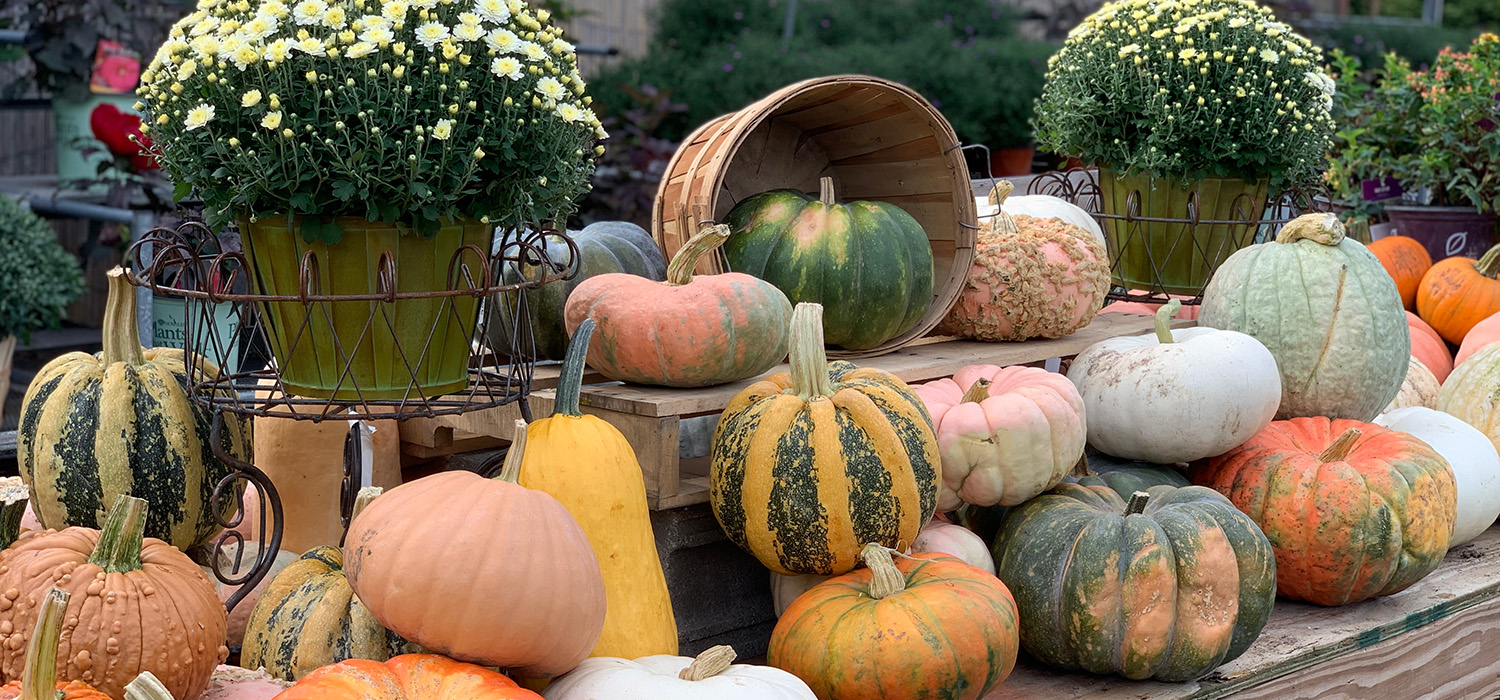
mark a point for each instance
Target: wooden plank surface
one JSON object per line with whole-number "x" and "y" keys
{"x": 1437, "y": 639}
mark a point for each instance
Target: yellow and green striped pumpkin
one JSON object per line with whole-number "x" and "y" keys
{"x": 94, "y": 427}
{"x": 810, "y": 466}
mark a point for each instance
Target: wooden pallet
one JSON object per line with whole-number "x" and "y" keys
{"x": 650, "y": 417}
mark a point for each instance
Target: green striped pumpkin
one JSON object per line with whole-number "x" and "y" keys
{"x": 809, "y": 466}
{"x": 94, "y": 427}
{"x": 308, "y": 618}
{"x": 868, "y": 263}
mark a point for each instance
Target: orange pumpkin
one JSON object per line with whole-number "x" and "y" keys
{"x": 1406, "y": 261}
{"x": 924, "y": 626}
{"x": 1353, "y": 510}
{"x": 1480, "y": 336}
{"x": 1429, "y": 347}
{"x": 39, "y": 679}
{"x": 1458, "y": 293}
{"x": 407, "y": 677}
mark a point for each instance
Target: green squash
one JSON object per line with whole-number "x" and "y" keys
{"x": 1328, "y": 312}
{"x": 1168, "y": 587}
{"x": 868, "y": 263}
{"x": 603, "y": 247}
{"x": 1124, "y": 477}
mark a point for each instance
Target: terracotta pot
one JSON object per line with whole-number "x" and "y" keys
{"x": 1010, "y": 162}
{"x": 1445, "y": 231}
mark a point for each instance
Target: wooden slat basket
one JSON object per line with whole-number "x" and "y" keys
{"x": 876, "y": 139}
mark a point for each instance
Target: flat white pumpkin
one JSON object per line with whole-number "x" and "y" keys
{"x": 1043, "y": 206}
{"x": 1419, "y": 389}
{"x": 1176, "y": 395}
{"x": 1475, "y": 463}
{"x": 1472, "y": 392}
{"x": 711, "y": 676}
{"x": 956, "y": 541}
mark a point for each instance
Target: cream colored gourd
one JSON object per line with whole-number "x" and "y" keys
{"x": 711, "y": 676}
{"x": 1420, "y": 388}
{"x": 785, "y": 589}
{"x": 1176, "y": 395}
{"x": 1328, "y": 312}
{"x": 1472, "y": 392}
{"x": 1042, "y": 206}
{"x": 954, "y": 540}
{"x": 1475, "y": 463}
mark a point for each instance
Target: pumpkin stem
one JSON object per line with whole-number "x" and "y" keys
{"x": 808, "y": 358}
{"x": 570, "y": 384}
{"x": 147, "y": 687}
{"x": 1001, "y": 223}
{"x": 1489, "y": 263}
{"x": 885, "y": 579}
{"x": 1081, "y": 468}
{"x": 1164, "y": 321}
{"x": 710, "y": 663}
{"x": 1137, "y": 504}
{"x": 1321, "y": 228}
{"x": 120, "y": 540}
{"x": 1341, "y": 447}
{"x": 1000, "y": 191}
{"x": 978, "y": 392}
{"x": 13, "y": 499}
{"x": 363, "y": 498}
{"x": 39, "y": 675}
{"x": 122, "y": 339}
{"x": 825, "y": 191}
{"x": 511, "y": 471}
{"x": 707, "y": 239}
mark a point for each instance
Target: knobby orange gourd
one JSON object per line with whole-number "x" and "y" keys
{"x": 38, "y": 680}
{"x": 1458, "y": 293}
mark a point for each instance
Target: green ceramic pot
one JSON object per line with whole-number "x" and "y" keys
{"x": 366, "y": 350}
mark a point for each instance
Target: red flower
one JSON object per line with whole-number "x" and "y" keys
{"x": 115, "y": 130}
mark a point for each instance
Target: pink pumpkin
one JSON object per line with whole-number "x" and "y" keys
{"x": 1430, "y": 348}
{"x": 1145, "y": 308}
{"x": 1004, "y": 434}
{"x": 1478, "y": 337}
{"x": 941, "y": 537}
{"x": 235, "y": 683}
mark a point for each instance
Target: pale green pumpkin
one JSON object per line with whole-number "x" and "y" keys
{"x": 1327, "y": 310}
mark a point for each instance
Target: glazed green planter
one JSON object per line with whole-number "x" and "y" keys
{"x": 1173, "y": 257}
{"x": 73, "y": 134}
{"x": 366, "y": 350}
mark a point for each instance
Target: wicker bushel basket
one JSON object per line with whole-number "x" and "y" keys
{"x": 878, "y": 141}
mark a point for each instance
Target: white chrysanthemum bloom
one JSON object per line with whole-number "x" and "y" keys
{"x": 468, "y": 18}
{"x": 1237, "y": 22}
{"x": 250, "y": 98}
{"x": 228, "y": 46}
{"x": 443, "y": 130}
{"x": 394, "y": 10}
{"x": 278, "y": 51}
{"x": 1187, "y": 53}
{"x": 533, "y": 51}
{"x": 503, "y": 41}
{"x": 198, "y": 116}
{"x": 569, "y": 112}
{"x": 1272, "y": 28}
{"x": 495, "y": 11}
{"x": 1269, "y": 56}
{"x": 259, "y": 27}
{"x": 204, "y": 26}
{"x": 272, "y": 120}
{"x": 378, "y": 34}
{"x": 1127, "y": 50}
{"x": 309, "y": 12}
{"x": 506, "y": 67}
{"x": 1292, "y": 48}
{"x": 468, "y": 32}
{"x": 336, "y": 17}
{"x": 275, "y": 8}
{"x": 312, "y": 46}
{"x": 551, "y": 89}
{"x": 424, "y": 4}
{"x": 360, "y": 49}
{"x": 206, "y": 46}
{"x": 228, "y": 27}
{"x": 187, "y": 69}
{"x": 562, "y": 48}
{"x": 244, "y": 56}
{"x": 432, "y": 34}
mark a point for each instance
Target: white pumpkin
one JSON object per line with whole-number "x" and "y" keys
{"x": 1043, "y": 206}
{"x": 1176, "y": 395}
{"x": 1420, "y": 388}
{"x": 1475, "y": 463}
{"x": 785, "y": 589}
{"x": 711, "y": 676}
{"x": 954, "y": 540}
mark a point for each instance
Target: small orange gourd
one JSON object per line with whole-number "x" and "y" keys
{"x": 1406, "y": 260}
{"x": 407, "y": 677}
{"x": 1458, "y": 293}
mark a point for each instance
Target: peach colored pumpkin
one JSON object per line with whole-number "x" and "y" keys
{"x": 235, "y": 683}
{"x": 1144, "y": 308}
{"x": 1479, "y": 337}
{"x": 1005, "y": 434}
{"x": 481, "y": 570}
{"x": 1430, "y": 348}
{"x": 1419, "y": 389}
{"x": 941, "y": 537}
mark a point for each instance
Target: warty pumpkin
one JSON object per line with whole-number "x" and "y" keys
{"x": 920, "y": 627}
{"x": 1472, "y": 392}
{"x": 712, "y": 675}
{"x": 123, "y": 586}
{"x": 406, "y": 677}
{"x": 1345, "y": 307}
{"x": 38, "y": 679}
{"x": 1031, "y": 278}
{"x": 1480, "y": 336}
{"x": 868, "y": 263}
{"x": 529, "y": 596}
{"x": 93, "y": 427}
{"x": 685, "y": 332}
{"x": 1430, "y": 348}
{"x": 1004, "y": 434}
{"x": 589, "y": 467}
{"x": 1419, "y": 388}
{"x": 1353, "y": 510}
{"x": 1458, "y": 293}
{"x": 1406, "y": 261}
{"x": 1471, "y": 455}
{"x": 810, "y": 465}
{"x": 1091, "y": 572}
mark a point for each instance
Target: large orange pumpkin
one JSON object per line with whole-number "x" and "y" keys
{"x": 1353, "y": 510}
{"x": 1429, "y": 347}
{"x": 41, "y": 659}
{"x": 1458, "y": 293}
{"x": 1406, "y": 260}
{"x": 407, "y": 677}
{"x": 921, "y": 627}
{"x": 1480, "y": 336}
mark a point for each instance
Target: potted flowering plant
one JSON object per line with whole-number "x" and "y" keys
{"x": 1209, "y": 100}
{"x": 38, "y": 279}
{"x": 349, "y": 130}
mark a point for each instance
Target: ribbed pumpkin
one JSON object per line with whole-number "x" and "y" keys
{"x": 1354, "y": 510}
{"x": 1031, "y": 278}
{"x": 1475, "y": 463}
{"x": 603, "y": 247}
{"x": 481, "y": 570}
{"x": 1339, "y": 336}
{"x": 1458, "y": 293}
{"x": 957, "y": 541}
{"x": 407, "y": 677}
{"x": 38, "y": 681}
{"x": 1472, "y": 392}
{"x": 1124, "y": 477}
{"x": 94, "y": 427}
{"x": 868, "y": 263}
{"x": 1406, "y": 261}
{"x": 1005, "y": 434}
{"x": 137, "y": 604}
{"x": 1480, "y": 336}
{"x": 1430, "y": 348}
{"x": 589, "y": 467}
{"x": 921, "y": 627}
{"x": 685, "y": 332}
{"x": 1168, "y": 586}
{"x": 809, "y": 466}
{"x": 1419, "y": 389}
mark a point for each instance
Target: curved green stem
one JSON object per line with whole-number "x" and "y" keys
{"x": 708, "y": 238}
{"x": 808, "y": 357}
{"x": 39, "y": 675}
{"x": 120, "y": 540}
{"x": 570, "y": 384}
{"x": 122, "y": 339}
{"x": 511, "y": 471}
{"x": 1164, "y": 321}
{"x": 1489, "y": 263}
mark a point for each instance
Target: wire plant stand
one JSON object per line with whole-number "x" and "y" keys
{"x": 235, "y": 375}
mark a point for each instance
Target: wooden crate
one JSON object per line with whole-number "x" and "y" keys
{"x": 650, "y": 417}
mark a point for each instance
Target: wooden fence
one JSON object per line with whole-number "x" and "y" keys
{"x": 622, "y": 24}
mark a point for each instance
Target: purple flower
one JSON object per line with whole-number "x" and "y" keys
{"x": 1359, "y": 39}
{"x": 937, "y": 103}
{"x": 729, "y": 68}
{"x": 825, "y": 23}
{"x": 739, "y": 15}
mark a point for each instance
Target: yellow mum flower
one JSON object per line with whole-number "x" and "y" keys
{"x": 443, "y": 130}
{"x": 272, "y": 120}
{"x": 250, "y": 99}
{"x": 198, "y": 116}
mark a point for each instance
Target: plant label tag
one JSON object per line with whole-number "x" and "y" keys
{"x": 1384, "y": 188}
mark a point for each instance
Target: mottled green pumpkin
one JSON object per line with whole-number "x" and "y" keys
{"x": 603, "y": 247}
{"x": 868, "y": 263}
{"x": 1328, "y": 312}
{"x": 1168, "y": 587}
{"x": 94, "y": 427}
{"x": 1124, "y": 476}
